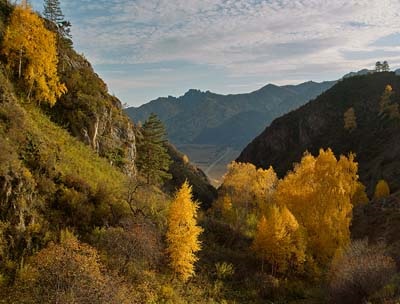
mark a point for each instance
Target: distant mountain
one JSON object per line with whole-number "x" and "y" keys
{"x": 359, "y": 73}
{"x": 226, "y": 120}
{"x": 320, "y": 124}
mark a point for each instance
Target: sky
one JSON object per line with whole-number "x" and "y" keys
{"x": 144, "y": 49}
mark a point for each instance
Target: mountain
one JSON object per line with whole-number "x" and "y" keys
{"x": 212, "y": 128}
{"x": 320, "y": 124}
{"x": 206, "y": 117}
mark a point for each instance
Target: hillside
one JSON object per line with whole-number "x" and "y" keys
{"x": 216, "y": 124}
{"x": 320, "y": 123}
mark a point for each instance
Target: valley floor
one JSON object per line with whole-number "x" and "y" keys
{"x": 213, "y": 160}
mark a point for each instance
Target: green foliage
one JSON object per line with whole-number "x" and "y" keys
{"x": 153, "y": 160}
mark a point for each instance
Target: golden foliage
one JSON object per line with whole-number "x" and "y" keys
{"x": 386, "y": 106}
{"x": 69, "y": 272}
{"x": 279, "y": 240}
{"x": 350, "y": 121}
{"x": 246, "y": 191}
{"x": 382, "y": 189}
{"x": 183, "y": 233}
{"x": 31, "y": 50}
{"x": 318, "y": 193}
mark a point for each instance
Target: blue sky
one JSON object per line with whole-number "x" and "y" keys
{"x": 144, "y": 49}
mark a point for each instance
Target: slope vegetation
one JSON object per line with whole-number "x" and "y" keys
{"x": 320, "y": 123}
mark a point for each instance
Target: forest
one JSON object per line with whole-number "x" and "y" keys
{"x": 95, "y": 208}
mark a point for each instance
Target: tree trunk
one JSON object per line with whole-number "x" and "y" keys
{"x": 20, "y": 64}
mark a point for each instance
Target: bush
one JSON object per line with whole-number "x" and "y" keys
{"x": 360, "y": 272}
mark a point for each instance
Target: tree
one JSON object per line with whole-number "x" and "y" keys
{"x": 69, "y": 272}
{"x": 153, "y": 160}
{"x": 350, "y": 120}
{"x": 378, "y": 66}
{"x": 385, "y": 66}
{"x": 279, "y": 240}
{"x": 386, "y": 107}
{"x": 245, "y": 194}
{"x": 318, "y": 193}
{"x": 183, "y": 233}
{"x": 382, "y": 190}
{"x": 52, "y": 11}
{"x": 30, "y": 50}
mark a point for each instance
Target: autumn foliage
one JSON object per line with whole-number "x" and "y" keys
{"x": 318, "y": 192}
{"x": 32, "y": 55}
{"x": 183, "y": 233}
{"x": 280, "y": 241}
{"x": 382, "y": 190}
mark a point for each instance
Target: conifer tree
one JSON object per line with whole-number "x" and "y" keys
{"x": 52, "y": 11}
{"x": 378, "y": 66}
{"x": 153, "y": 160}
{"x": 30, "y": 50}
{"x": 385, "y": 66}
{"x": 183, "y": 233}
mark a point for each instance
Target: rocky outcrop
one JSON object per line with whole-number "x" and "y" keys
{"x": 320, "y": 124}
{"x": 92, "y": 115}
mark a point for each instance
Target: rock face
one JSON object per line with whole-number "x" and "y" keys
{"x": 92, "y": 115}
{"x": 320, "y": 124}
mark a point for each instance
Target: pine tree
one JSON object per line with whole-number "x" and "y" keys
{"x": 153, "y": 160}
{"x": 378, "y": 66}
{"x": 385, "y": 66}
{"x": 30, "y": 50}
{"x": 183, "y": 233}
{"x": 52, "y": 11}
{"x": 350, "y": 121}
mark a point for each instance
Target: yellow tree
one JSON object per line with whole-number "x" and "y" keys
{"x": 183, "y": 233}
{"x": 247, "y": 192}
{"x": 319, "y": 192}
{"x": 382, "y": 190}
{"x": 350, "y": 121}
{"x": 30, "y": 50}
{"x": 279, "y": 241}
{"x": 386, "y": 106}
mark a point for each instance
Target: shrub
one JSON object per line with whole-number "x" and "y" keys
{"x": 360, "y": 272}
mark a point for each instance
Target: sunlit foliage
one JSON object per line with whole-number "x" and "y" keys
{"x": 279, "y": 241}
{"x": 246, "y": 193}
{"x": 318, "y": 192}
{"x": 183, "y": 233}
{"x": 31, "y": 54}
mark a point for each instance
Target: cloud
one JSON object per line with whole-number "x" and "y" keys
{"x": 245, "y": 38}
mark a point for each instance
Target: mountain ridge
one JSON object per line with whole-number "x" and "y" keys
{"x": 320, "y": 124}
